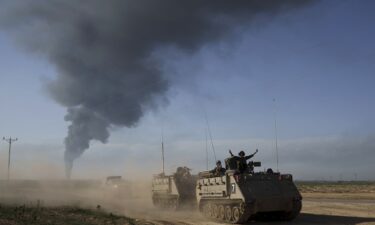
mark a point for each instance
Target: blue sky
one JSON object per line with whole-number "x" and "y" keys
{"x": 318, "y": 62}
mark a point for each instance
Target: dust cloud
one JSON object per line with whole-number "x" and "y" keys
{"x": 129, "y": 198}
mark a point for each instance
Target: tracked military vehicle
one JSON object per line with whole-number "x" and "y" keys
{"x": 238, "y": 197}
{"x": 117, "y": 187}
{"x": 174, "y": 191}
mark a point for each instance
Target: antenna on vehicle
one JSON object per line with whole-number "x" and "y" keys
{"x": 209, "y": 132}
{"x": 277, "y": 151}
{"x": 162, "y": 146}
{"x": 205, "y": 132}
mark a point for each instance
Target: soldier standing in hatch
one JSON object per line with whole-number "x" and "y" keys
{"x": 242, "y": 164}
{"x": 219, "y": 170}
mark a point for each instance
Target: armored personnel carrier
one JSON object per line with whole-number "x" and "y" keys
{"x": 238, "y": 197}
{"x": 174, "y": 191}
{"x": 117, "y": 187}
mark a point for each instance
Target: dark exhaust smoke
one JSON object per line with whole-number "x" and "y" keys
{"x": 101, "y": 50}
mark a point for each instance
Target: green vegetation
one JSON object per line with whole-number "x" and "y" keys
{"x": 336, "y": 187}
{"x": 36, "y": 215}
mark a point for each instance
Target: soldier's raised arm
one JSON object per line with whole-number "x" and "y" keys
{"x": 252, "y": 155}
{"x": 230, "y": 152}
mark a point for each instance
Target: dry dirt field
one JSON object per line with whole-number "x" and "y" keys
{"x": 90, "y": 202}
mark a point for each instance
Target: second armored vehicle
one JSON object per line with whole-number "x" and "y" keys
{"x": 174, "y": 191}
{"x": 238, "y": 197}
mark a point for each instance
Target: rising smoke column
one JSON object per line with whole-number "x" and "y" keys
{"x": 101, "y": 50}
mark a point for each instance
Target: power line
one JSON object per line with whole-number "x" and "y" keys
{"x": 10, "y": 141}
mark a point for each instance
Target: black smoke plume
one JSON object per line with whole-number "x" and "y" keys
{"x": 101, "y": 50}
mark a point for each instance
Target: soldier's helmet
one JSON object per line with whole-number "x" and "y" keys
{"x": 241, "y": 153}
{"x": 218, "y": 162}
{"x": 180, "y": 170}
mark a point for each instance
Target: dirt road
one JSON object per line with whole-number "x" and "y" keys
{"x": 332, "y": 210}
{"x": 318, "y": 208}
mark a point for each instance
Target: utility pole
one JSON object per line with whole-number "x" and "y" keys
{"x": 9, "y": 140}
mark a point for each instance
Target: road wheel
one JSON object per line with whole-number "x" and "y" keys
{"x": 221, "y": 214}
{"x": 236, "y": 215}
{"x": 206, "y": 210}
{"x": 297, "y": 206}
{"x": 174, "y": 204}
{"x": 155, "y": 202}
{"x": 215, "y": 211}
{"x": 228, "y": 214}
{"x": 210, "y": 211}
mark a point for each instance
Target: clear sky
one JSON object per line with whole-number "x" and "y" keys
{"x": 317, "y": 62}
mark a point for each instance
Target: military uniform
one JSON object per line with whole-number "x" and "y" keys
{"x": 242, "y": 162}
{"x": 218, "y": 171}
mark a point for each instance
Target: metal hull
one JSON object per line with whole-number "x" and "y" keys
{"x": 237, "y": 198}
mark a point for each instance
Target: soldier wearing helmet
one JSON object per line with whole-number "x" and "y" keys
{"x": 242, "y": 164}
{"x": 218, "y": 170}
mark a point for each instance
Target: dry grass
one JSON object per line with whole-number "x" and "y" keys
{"x": 336, "y": 187}
{"x": 36, "y": 215}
